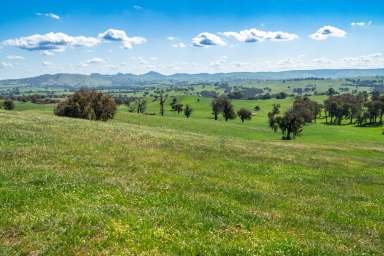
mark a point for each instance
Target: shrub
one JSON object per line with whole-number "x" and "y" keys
{"x": 8, "y": 104}
{"x": 87, "y": 104}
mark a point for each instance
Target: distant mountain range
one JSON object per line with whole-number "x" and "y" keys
{"x": 154, "y": 78}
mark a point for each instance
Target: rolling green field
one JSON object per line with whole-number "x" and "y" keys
{"x": 152, "y": 185}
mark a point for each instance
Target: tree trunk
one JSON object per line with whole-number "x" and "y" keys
{"x": 162, "y": 109}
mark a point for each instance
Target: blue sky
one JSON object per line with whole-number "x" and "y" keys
{"x": 41, "y": 36}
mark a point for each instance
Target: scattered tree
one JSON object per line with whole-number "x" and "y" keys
{"x": 8, "y": 104}
{"x": 173, "y": 103}
{"x": 217, "y": 107}
{"x": 141, "y": 105}
{"x": 178, "y": 107}
{"x": 228, "y": 110}
{"x": 273, "y": 118}
{"x": 308, "y": 108}
{"x": 162, "y": 99}
{"x": 244, "y": 114}
{"x": 331, "y": 92}
{"x": 187, "y": 111}
{"x": 291, "y": 123}
{"x": 281, "y": 95}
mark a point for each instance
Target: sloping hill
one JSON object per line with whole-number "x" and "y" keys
{"x": 95, "y": 80}
{"x": 76, "y": 187}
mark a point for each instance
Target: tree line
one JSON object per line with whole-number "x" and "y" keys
{"x": 358, "y": 109}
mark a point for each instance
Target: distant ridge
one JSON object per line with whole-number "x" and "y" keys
{"x": 152, "y": 77}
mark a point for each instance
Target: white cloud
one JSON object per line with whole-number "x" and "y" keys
{"x": 47, "y": 53}
{"x": 328, "y": 31}
{"x": 93, "y": 61}
{"x": 113, "y": 67}
{"x": 121, "y": 36}
{"x": 374, "y": 58}
{"x": 46, "y": 63}
{"x": 15, "y": 57}
{"x": 361, "y": 24}
{"x": 51, "y": 41}
{"x": 255, "y": 35}
{"x": 322, "y": 60}
{"x": 6, "y": 65}
{"x": 288, "y": 62}
{"x": 179, "y": 45}
{"x": 207, "y": 39}
{"x": 239, "y": 64}
{"x": 50, "y": 15}
{"x": 140, "y": 60}
{"x": 176, "y": 42}
{"x": 219, "y": 62}
{"x": 291, "y": 62}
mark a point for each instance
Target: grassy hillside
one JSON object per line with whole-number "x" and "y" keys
{"x": 152, "y": 185}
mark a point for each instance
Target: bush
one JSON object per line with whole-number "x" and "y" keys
{"x": 8, "y": 105}
{"x": 87, "y": 104}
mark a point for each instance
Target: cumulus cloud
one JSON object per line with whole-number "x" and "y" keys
{"x": 50, "y": 15}
{"x": 58, "y": 42}
{"x": 171, "y": 38}
{"x": 207, "y": 39}
{"x": 361, "y": 23}
{"x": 51, "y": 41}
{"x": 326, "y": 32}
{"x": 121, "y": 36}
{"x": 15, "y": 57}
{"x": 255, "y": 35}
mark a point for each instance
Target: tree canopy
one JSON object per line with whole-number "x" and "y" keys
{"x": 87, "y": 104}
